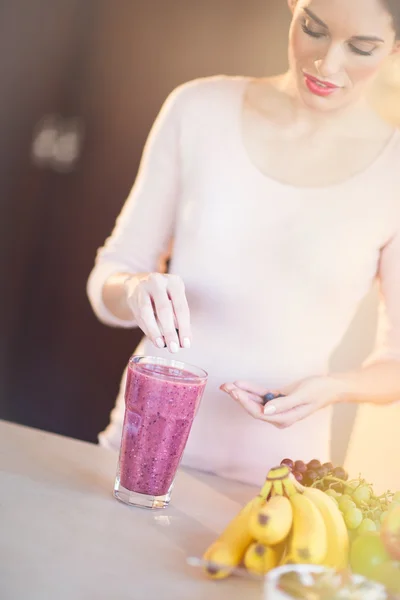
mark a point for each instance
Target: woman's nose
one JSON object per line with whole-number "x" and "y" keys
{"x": 332, "y": 63}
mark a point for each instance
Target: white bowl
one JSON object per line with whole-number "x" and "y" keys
{"x": 271, "y": 591}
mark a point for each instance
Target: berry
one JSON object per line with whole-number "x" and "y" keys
{"x": 298, "y": 476}
{"x": 346, "y": 503}
{"x": 362, "y": 495}
{"x": 313, "y": 464}
{"x": 288, "y": 462}
{"x": 353, "y": 518}
{"x": 300, "y": 466}
{"x": 329, "y": 466}
{"x": 340, "y": 473}
{"x": 322, "y": 471}
{"x": 310, "y": 477}
{"x": 366, "y": 525}
{"x": 268, "y": 398}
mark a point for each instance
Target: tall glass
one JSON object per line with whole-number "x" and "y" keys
{"x": 161, "y": 399}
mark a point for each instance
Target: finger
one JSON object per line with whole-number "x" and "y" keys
{"x": 263, "y": 394}
{"x": 253, "y": 407}
{"x": 284, "y": 404}
{"x": 176, "y": 291}
{"x": 146, "y": 318}
{"x": 253, "y": 388}
{"x": 165, "y": 316}
{"x": 290, "y": 417}
{"x": 231, "y": 387}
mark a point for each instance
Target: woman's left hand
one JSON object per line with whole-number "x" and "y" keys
{"x": 299, "y": 400}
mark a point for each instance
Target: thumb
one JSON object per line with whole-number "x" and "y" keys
{"x": 284, "y": 404}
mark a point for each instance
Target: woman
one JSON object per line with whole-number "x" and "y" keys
{"x": 282, "y": 197}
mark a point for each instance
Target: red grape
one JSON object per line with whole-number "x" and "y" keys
{"x": 309, "y": 477}
{"x": 340, "y": 473}
{"x": 300, "y": 466}
{"x": 329, "y": 466}
{"x": 313, "y": 464}
{"x": 338, "y": 487}
{"x": 298, "y": 476}
{"x": 322, "y": 471}
{"x": 288, "y": 462}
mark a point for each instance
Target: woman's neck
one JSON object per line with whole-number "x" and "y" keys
{"x": 357, "y": 118}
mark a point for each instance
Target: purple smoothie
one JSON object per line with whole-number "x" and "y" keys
{"x": 161, "y": 402}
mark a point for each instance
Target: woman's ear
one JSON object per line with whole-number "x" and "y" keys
{"x": 292, "y": 5}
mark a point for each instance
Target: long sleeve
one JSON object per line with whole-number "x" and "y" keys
{"x": 145, "y": 225}
{"x": 388, "y": 334}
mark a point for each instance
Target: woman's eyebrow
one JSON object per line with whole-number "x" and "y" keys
{"x": 360, "y": 38}
{"x": 368, "y": 38}
{"x": 315, "y": 18}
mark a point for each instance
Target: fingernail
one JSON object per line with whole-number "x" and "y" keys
{"x": 186, "y": 343}
{"x": 160, "y": 343}
{"x": 228, "y": 387}
{"x": 269, "y": 409}
{"x": 174, "y": 347}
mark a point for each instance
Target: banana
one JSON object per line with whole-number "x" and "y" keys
{"x": 259, "y": 559}
{"x": 289, "y": 487}
{"x": 308, "y": 540}
{"x": 271, "y": 522}
{"x": 280, "y": 472}
{"x": 227, "y": 551}
{"x": 273, "y": 483}
{"x": 337, "y": 555}
{"x": 277, "y": 488}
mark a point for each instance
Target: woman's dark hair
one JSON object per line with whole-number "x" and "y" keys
{"x": 394, "y": 9}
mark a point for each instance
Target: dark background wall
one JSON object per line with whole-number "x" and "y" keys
{"x": 99, "y": 71}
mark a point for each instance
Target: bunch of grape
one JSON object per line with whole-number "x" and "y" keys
{"x": 362, "y": 510}
{"x": 313, "y": 473}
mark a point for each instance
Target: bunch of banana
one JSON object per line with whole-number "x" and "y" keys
{"x": 285, "y": 523}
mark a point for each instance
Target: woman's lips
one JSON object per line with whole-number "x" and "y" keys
{"x": 318, "y": 87}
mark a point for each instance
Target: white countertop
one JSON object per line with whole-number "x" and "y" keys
{"x": 63, "y": 536}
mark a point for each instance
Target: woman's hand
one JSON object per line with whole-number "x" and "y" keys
{"x": 299, "y": 400}
{"x": 160, "y": 308}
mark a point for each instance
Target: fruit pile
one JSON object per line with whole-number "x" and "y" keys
{"x": 372, "y": 521}
{"x": 286, "y": 523}
{"x": 362, "y": 510}
{"x": 319, "y": 475}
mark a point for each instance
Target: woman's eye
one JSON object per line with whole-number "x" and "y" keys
{"x": 311, "y": 29}
{"x": 358, "y": 50}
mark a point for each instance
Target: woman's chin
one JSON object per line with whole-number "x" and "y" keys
{"x": 337, "y": 100}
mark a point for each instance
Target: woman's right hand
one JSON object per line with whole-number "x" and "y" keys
{"x": 160, "y": 308}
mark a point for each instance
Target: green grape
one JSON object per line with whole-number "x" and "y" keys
{"x": 377, "y": 524}
{"x": 345, "y": 503}
{"x": 376, "y": 514}
{"x": 353, "y": 518}
{"x": 362, "y": 495}
{"x": 331, "y": 492}
{"x": 334, "y": 499}
{"x": 366, "y": 525}
{"x": 353, "y": 484}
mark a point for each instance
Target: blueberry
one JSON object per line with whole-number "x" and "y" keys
{"x": 268, "y": 397}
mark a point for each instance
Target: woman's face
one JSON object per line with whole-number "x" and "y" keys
{"x": 336, "y": 47}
